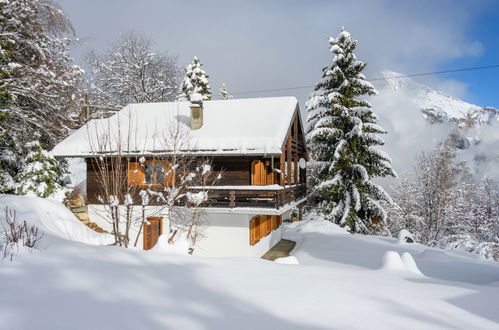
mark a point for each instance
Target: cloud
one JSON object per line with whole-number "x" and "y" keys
{"x": 409, "y": 133}
{"x": 254, "y": 45}
{"x": 452, "y": 87}
{"x": 483, "y": 154}
{"x": 273, "y": 44}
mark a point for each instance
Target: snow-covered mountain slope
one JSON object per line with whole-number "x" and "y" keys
{"x": 341, "y": 281}
{"x": 435, "y": 106}
{"x": 417, "y": 118}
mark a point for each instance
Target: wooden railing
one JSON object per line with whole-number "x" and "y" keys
{"x": 264, "y": 198}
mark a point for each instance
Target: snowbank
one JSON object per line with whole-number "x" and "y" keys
{"x": 392, "y": 261}
{"x": 291, "y": 260}
{"x": 179, "y": 247}
{"x": 51, "y": 217}
{"x": 337, "y": 284}
{"x": 405, "y": 236}
{"x": 324, "y": 243}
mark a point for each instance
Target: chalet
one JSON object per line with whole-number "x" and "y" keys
{"x": 257, "y": 144}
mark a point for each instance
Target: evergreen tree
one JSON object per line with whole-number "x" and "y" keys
{"x": 224, "y": 95}
{"x": 6, "y": 46}
{"x": 195, "y": 82}
{"x": 40, "y": 174}
{"x": 39, "y": 84}
{"x": 43, "y": 81}
{"x": 343, "y": 136}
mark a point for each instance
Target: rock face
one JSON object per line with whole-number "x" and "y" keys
{"x": 76, "y": 203}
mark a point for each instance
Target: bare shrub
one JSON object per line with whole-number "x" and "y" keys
{"x": 17, "y": 235}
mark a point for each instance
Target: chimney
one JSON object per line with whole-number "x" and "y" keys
{"x": 196, "y": 112}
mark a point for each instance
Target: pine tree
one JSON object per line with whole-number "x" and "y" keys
{"x": 195, "y": 82}
{"x": 6, "y": 46}
{"x": 343, "y": 136}
{"x": 39, "y": 84}
{"x": 40, "y": 174}
{"x": 224, "y": 94}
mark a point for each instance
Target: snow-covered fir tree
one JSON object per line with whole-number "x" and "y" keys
{"x": 6, "y": 46}
{"x": 40, "y": 174}
{"x": 343, "y": 136}
{"x": 39, "y": 75}
{"x": 195, "y": 82}
{"x": 224, "y": 94}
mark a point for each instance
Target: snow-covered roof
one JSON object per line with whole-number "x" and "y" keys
{"x": 256, "y": 126}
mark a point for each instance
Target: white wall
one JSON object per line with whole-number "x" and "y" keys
{"x": 225, "y": 235}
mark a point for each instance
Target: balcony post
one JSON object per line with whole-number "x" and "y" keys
{"x": 232, "y": 199}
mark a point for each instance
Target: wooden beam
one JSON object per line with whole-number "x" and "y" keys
{"x": 281, "y": 168}
{"x": 295, "y": 138}
{"x": 295, "y": 167}
{"x": 288, "y": 158}
{"x": 232, "y": 199}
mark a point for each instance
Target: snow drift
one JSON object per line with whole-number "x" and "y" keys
{"x": 332, "y": 276}
{"x": 51, "y": 217}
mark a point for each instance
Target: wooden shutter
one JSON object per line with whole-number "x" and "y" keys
{"x": 169, "y": 174}
{"x": 152, "y": 230}
{"x": 258, "y": 173}
{"x": 263, "y": 226}
{"x": 268, "y": 224}
{"x": 271, "y": 175}
{"x": 252, "y": 231}
{"x": 135, "y": 174}
{"x": 274, "y": 222}
{"x": 257, "y": 229}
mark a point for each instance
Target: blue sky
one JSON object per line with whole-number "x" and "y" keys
{"x": 253, "y": 45}
{"x": 483, "y": 85}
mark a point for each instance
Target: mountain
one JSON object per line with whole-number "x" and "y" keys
{"x": 436, "y": 106}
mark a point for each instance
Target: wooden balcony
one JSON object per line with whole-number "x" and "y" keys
{"x": 273, "y": 196}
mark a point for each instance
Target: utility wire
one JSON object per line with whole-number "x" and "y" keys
{"x": 376, "y": 79}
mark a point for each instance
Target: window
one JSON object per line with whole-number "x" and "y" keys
{"x": 155, "y": 173}
{"x": 150, "y": 173}
{"x": 262, "y": 225}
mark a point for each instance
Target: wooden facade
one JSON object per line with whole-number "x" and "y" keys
{"x": 293, "y": 149}
{"x": 236, "y": 171}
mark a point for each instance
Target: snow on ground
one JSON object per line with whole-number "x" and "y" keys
{"x": 337, "y": 282}
{"x": 51, "y": 217}
{"x": 323, "y": 243}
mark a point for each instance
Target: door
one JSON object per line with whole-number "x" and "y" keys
{"x": 153, "y": 228}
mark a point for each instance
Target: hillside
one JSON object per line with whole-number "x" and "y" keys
{"x": 338, "y": 280}
{"x": 437, "y": 107}
{"x": 417, "y": 118}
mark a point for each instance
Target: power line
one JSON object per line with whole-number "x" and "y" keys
{"x": 375, "y": 79}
